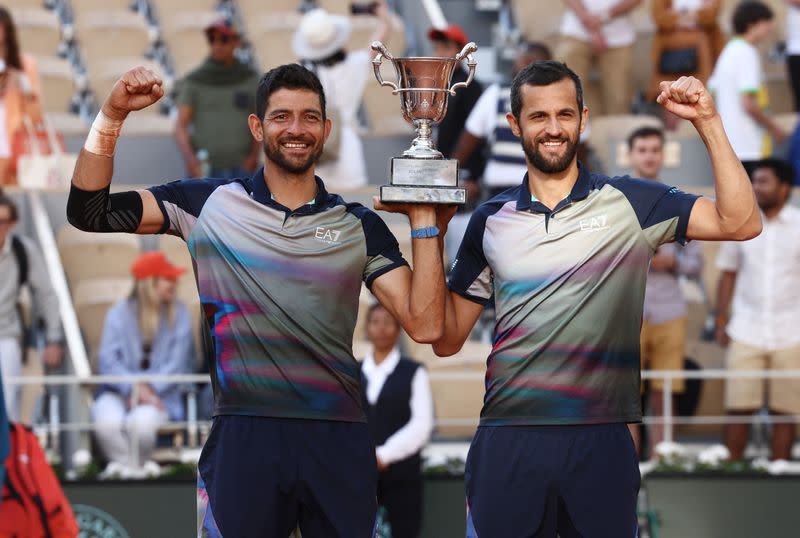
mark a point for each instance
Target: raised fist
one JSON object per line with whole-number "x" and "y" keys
{"x": 687, "y": 98}
{"x": 135, "y": 90}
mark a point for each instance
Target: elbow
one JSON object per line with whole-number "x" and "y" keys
{"x": 752, "y": 228}
{"x": 425, "y": 333}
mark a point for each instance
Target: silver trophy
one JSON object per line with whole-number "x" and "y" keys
{"x": 422, "y": 174}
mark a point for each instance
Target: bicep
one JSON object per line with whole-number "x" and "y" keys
{"x": 393, "y": 290}
{"x": 152, "y": 218}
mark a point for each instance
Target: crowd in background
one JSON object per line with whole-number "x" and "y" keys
{"x": 150, "y": 331}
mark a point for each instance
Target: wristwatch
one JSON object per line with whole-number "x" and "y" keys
{"x": 428, "y": 231}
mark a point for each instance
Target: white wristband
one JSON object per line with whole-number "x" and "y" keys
{"x": 103, "y": 135}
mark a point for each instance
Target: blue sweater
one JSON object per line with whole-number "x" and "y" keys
{"x": 172, "y": 352}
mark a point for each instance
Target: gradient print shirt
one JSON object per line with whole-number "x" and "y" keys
{"x": 568, "y": 286}
{"x": 279, "y": 290}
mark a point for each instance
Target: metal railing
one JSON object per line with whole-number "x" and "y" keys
{"x": 192, "y": 424}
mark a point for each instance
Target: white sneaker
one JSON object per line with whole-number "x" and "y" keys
{"x": 114, "y": 469}
{"x": 151, "y": 469}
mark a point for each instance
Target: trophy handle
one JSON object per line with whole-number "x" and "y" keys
{"x": 467, "y": 51}
{"x": 382, "y": 51}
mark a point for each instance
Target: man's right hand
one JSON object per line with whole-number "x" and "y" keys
{"x": 135, "y": 90}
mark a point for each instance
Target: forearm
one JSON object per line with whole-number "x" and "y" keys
{"x": 725, "y": 287}
{"x": 450, "y": 343}
{"x": 426, "y": 301}
{"x": 184, "y": 143}
{"x": 735, "y": 203}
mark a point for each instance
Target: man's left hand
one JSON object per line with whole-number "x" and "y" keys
{"x": 687, "y": 98}
{"x": 52, "y": 355}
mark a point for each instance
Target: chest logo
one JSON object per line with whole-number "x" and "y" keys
{"x": 594, "y": 224}
{"x": 327, "y": 235}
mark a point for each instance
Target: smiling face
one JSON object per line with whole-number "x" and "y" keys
{"x": 293, "y": 130}
{"x": 550, "y": 125}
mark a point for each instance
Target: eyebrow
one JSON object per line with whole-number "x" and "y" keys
{"x": 288, "y": 111}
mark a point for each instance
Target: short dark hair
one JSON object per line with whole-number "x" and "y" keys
{"x": 783, "y": 170}
{"x": 378, "y": 306}
{"x": 543, "y": 73}
{"x": 9, "y": 203}
{"x": 290, "y": 76}
{"x": 644, "y": 132}
{"x": 749, "y": 13}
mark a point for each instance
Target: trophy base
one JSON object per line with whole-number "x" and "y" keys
{"x": 416, "y": 194}
{"x": 410, "y": 172}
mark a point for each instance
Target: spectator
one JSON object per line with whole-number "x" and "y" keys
{"x": 150, "y": 332}
{"x": 21, "y": 264}
{"x": 793, "y": 48}
{"x": 319, "y": 43}
{"x": 794, "y": 153}
{"x": 601, "y": 31}
{"x": 761, "y": 276}
{"x": 663, "y": 335}
{"x": 688, "y": 40}
{"x": 214, "y": 102}
{"x": 448, "y": 42}
{"x": 20, "y": 91}
{"x": 487, "y": 122}
{"x": 399, "y": 408}
{"x": 738, "y": 85}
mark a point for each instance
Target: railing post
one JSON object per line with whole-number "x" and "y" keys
{"x": 667, "y": 403}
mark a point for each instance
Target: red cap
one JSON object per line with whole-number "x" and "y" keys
{"x": 222, "y": 26}
{"x": 155, "y": 264}
{"x": 453, "y": 32}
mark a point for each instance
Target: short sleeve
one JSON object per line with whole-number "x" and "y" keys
{"x": 181, "y": 202}
{"x": 728, "y": 258}
{"x": 481, "y": 120}
{"x": 470, "y": 274}
{"x": 383, "y": 251}
{"x": 186, "y": 92}
{"x": 748, "y": 72}
{"x": 663, "y": 211}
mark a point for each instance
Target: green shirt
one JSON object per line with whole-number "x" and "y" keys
{"x": 219, "y": 114}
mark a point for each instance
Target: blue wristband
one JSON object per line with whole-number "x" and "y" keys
{"x": 421, "y": 233}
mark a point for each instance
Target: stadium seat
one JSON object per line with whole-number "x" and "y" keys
{"x": 537, "y": 21}
{"x": 39, "y": 30}
{"x": 104, "y": 35}
{"x": 270, "y": 35}
{"x": 164, "y": 8}
{"x": 255, "y": 8}
{"x": 58, "y": 87}
{"x": 88, "y": 256}
{"x": 82, "y": 6}
{"x": 92, "y": 299}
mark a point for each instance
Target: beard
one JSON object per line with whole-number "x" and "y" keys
{"x": 768, "y": 202}
{"x": 551, "y": 164}
{"x": 274, "y": 153}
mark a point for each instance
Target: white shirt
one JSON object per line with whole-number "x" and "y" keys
{"x": 738, "y": 71}
{"x": 793, "y": 30}
{"x": 766, "y": 299}
{"x": 409, "y": 439}
{"x": 481, "y": 123}
{"x": 344, "y": 85}
{"x": 5, "y": 143}
{"x": 618, "y": 32}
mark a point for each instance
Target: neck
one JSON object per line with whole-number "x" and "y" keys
{"x": 642, "y": 175}
{"x": 290, "y": 190}
{"x": 550, "y": 189}
{"x": 749, "y": 37}
{"x": 770, "y": 213}
{"x": 227, "y": 61}
{"x": 379, "y": 355}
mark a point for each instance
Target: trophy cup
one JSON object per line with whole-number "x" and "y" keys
{"x": 422, "y": 174}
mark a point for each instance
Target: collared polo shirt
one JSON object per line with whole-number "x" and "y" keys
{"x": 279, "y": 290}
{"x": 569, "y": 286}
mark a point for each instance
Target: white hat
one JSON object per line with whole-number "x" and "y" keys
{"x": 320, "y": 34}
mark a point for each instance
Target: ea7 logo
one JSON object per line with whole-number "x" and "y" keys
{"x": 594, "y": 224}
{"x": 327, "y": 235}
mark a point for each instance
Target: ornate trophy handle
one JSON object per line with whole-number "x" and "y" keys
{"x": 467, "y": 51}
{"x": 379, "y": 47}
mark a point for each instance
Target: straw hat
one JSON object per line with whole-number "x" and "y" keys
{"x": 320, "y": 34}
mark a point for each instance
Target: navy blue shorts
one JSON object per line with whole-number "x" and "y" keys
{"x": 265, "y": 476}
{"x": 536, "y": 481}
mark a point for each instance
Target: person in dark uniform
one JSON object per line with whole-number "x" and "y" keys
{"x": 399, "y": 406}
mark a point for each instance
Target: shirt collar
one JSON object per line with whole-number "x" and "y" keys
{"x": 6, "y": 248}
{"x": 387, "y": 366}
{"x": 262, "y": 194}
{"x": 580, "y": 190}
{"x": 785, "y": 214}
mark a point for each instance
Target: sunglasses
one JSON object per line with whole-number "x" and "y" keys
{"x": 219, "y": 38}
